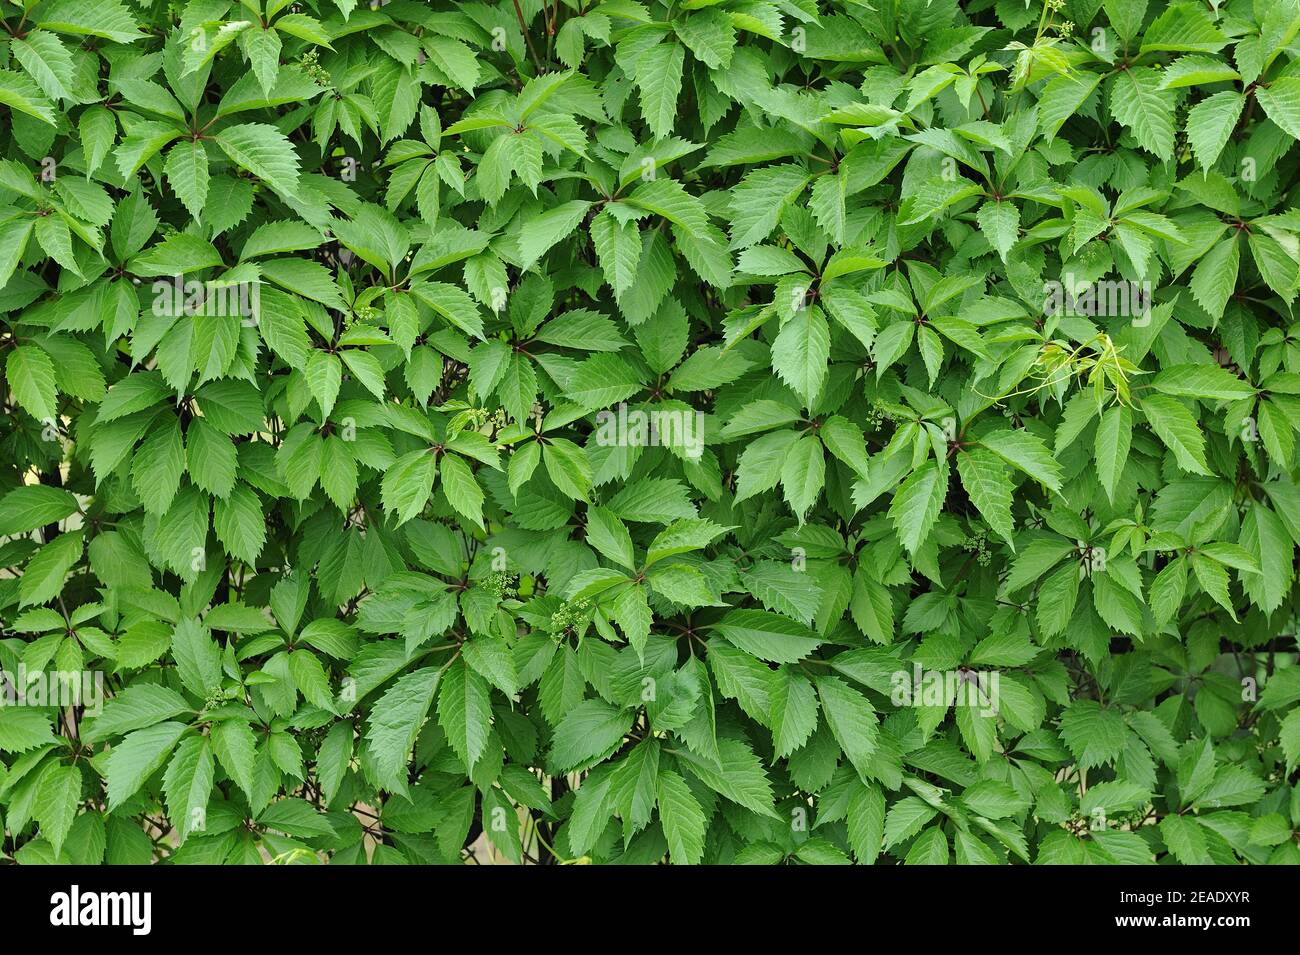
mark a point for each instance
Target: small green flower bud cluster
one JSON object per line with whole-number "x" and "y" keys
{"x": 499, "y": 583}
{"x": 977, "y": 543}
{"x": 310, "y": 63}
{"x": 572, "y": 613}
{"x": 876, "y": 418}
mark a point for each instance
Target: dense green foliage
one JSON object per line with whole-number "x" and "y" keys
{"x": 629, "y": 430}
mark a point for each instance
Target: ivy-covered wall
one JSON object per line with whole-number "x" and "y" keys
{"x": 726, "y": 431}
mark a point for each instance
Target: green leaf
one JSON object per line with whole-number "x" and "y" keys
{"x": 395, "y": 721}
{"x": 234, "y": 745}
{"x": 187, "y": 173}
{"x": 987, "y": 482}
{"x": 682, "y": 818}
{"x": 1201, "y": 381}
{"x": 1095, "y": 734}
{"x": 768, "y": 636}
{"x": 917, "y": 504}
{"x": 1177, "y": 428}
{"x": 589, "y": 731}
{"x": 794, "y": 711}
{"x": 618, "y": 247}
{"x": 1114, "y": 437}
{"x": 464, "y": 712}
{"x": 1215, "y": 277}
{"x": 31, "y": 377}
{"x": 1210, "y": 123}
{"x": 1027, "y": 452}
{"x": 803, "y": 475}
{"x": 47, "y": 61}
{"x": 23, "y": 728}
{"x": 659, "y": 80}
{"x": 852, "y": 722}
{"x": 408, "y": 483}
{"x": 461, "y": 489}
{"x": 1281, "y": 103}
{"x": 1000, "y": 223}
{"x": 139, "y": 756}
{"x": 45, "y": 573}
{"x": 136, "y": 707}
{"x": 741, "y": 778}
{"x": 800, "y": 353}
{"x": 264, "y": 151}
{"x": 21, "y": 94}
{"x": 110, "y": 20}
{"x": 58, "y": 796}
{"x": 1138, "y": 102}
{"x": 34, "y": 505}
{"x": 188, "y": 784}
{"x": 1290, "y": 736}
{"x": 540, "y": 234}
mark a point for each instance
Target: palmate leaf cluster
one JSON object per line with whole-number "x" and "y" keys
{"x": 387, "y": 568}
